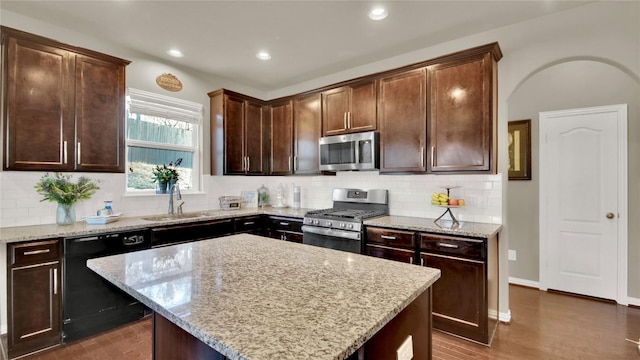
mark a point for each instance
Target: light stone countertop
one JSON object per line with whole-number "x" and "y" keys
{"x": 257, "y": 298}
{"x": 469, "y": 229}
{"x": 80, "y": 228}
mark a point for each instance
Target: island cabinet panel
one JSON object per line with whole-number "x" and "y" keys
{"x": 170, "y": 342}
{"x": 281, "y": 138}
{"x": 462, "y": 115}
{"x": 63, "y": 106}
{"x": 461, "y": 295}
{"x": 307, "y": 128}
{"x": 402, "y": 116}
{"x": 391, "y": 244}
{"x": 33, "y": 296}
{"x": 349, "y": 109}
{"x": 175, "y": 234}
{"x": 284, "y": 228}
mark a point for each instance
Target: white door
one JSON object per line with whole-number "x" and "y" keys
{"x": 582, "y": 185}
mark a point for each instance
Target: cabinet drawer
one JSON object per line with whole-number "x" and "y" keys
{"x": 285, "y": 224}
{"x": 394, "y": 238}
{"x": 390, "y": 253}
{"x": 248, "y": 224}
{"x": 34, "y": 252}
{"x": 467, "y": 247}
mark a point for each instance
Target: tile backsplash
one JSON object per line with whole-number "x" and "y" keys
{"x": 409, "y": 195}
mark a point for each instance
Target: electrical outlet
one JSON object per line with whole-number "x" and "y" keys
{"x": 405, "y": 351}
{"x": 512, "y": 255}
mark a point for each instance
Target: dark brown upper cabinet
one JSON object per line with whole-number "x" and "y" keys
{"x": 281, "y": 159}
{"x": 462, "y": 118}
{"x": 245, "y": 128}
{"x": 349, "y": 109}
{"x": 64, "y": 106}
{"x": 307, "y": 128}
{"x": 402, "y": 114}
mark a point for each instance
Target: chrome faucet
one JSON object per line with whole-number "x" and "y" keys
{"x": 175, "y": 188}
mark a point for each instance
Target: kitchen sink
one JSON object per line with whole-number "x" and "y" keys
{"x": 166, "y": 217}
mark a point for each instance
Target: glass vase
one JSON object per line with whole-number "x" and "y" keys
{"x": 66, "y": 214}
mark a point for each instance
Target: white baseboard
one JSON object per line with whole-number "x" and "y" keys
{"x": 524, "y": 282}
{"x": 633, "y": 301}
{"x": 505, "y": 317}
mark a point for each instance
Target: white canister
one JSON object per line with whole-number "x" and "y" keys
{"x": 296, "y": 197}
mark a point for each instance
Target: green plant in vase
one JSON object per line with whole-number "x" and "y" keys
{"x": 166, "y": 175}
{"x": 61, "y": 189}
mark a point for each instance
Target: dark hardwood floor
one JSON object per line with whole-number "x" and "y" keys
{"x": 545, "y": 325}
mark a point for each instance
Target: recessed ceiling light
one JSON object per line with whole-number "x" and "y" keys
{"x": 378, "y": 13}
{"x": 263, "y": 55}
{"x": 175, "y": 53}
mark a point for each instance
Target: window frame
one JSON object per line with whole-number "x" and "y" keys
{"x": 152, "y": 104}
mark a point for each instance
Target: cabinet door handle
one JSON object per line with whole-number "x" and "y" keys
{"x": 55, "y": 281}
{"x": 249, "y": 223}
{"x": 289, "y": 163}
{"x": 344, "y": 119}
{"x": 433, "y": 161}
{"x": 65, "y": 151}
{"x": 284, "y": 223}
{"x": 35, "y": 252}
{"x": 295, "y": 163}
{"x": 349, "y": 120}
{"x": 451, "y": 246}
{"x": 387, "y": 237}
{"x": 79, "y": 153}
{"x": 421, "y": 261}
{"x": 411, "y": 260}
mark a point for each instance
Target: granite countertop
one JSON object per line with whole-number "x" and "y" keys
{"x": 38, "y": 232}
{"x": 470, "y": 229}
{"x": 251, "y": 297}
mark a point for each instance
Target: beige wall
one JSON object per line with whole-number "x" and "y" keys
{"x": 572, "y": 84}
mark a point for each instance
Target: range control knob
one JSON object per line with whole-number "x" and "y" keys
{"x": 349, "y": 226}
{"x": 342, "y": 225}
{"x": 328, "y": 224}
{"x": 316, "y": 222}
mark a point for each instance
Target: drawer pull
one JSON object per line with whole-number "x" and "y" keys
{"x": 55, "y": 281}
{"x": 451, "y": 246}
{"x": 284, "y": 223}
{"x": 387, "y": 237}
{"x": 36, "y": 252}
{"x": 249, "y": 223}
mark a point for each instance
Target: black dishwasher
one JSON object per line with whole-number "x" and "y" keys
{"x": 91, "y": 304}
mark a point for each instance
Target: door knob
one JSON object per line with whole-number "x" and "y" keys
{"x": 610, "y": 215}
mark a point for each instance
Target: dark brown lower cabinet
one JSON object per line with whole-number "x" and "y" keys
{"x": 33, "y": 296}
{"x": 284, "y": 228}
{"x": 465, "y": 298}
{"x": 391, "y": 244}
{"x": 175, "y": 234}
{"x": 249, "y": 225}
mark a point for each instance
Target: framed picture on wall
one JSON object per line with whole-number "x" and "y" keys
{"x": 519, "y": 141}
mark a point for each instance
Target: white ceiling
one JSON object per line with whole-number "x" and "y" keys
{"x": 307, "y": 39}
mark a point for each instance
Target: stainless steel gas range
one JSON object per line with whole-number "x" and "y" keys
{"x": 340, "y": 227}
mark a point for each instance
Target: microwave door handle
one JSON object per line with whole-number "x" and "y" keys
{"x": 357, "y": 143}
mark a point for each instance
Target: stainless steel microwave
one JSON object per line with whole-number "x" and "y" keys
{"x": 357, "y": 151}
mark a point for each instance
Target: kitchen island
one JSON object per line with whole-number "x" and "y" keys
{"x": 250, "y": 297}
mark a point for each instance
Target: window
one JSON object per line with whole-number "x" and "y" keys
{"x": 160, "y": 130}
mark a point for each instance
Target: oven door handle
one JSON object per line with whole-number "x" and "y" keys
{"x": 350, "y": 235}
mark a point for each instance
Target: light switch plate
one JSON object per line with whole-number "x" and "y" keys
{"x": 513, "y": 255}
{"x": 405, "y": 351}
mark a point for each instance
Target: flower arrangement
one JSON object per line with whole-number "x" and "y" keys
{"x": 59, "y": 188}
{"x": 167, "y": 173}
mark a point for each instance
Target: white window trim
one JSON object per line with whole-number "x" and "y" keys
{"x": 176, "y": 109}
